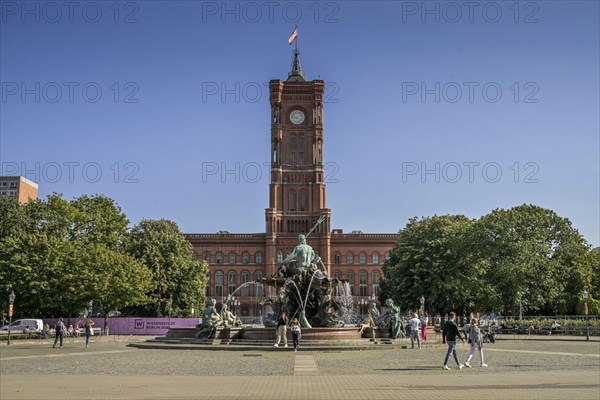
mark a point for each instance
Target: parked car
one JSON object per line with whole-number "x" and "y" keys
{"x": 32, "y": 325}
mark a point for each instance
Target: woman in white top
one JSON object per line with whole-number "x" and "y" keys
{"x": 476, "y": 340}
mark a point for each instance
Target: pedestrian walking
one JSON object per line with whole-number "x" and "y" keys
{"x": 282, "y": 330}
{"x": 59, "y": 329}
{"x": 424, "y": 323}
{"x": 449, "y": 335}
{"x": 415, "y": 331}
{"x": 476, "y": 340}
{"x": 89, "y": 331}
{"x": 296, "y": 333}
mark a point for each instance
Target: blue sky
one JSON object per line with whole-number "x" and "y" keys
{"x": 432, "y": 107}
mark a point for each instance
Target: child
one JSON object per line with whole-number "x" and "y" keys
{"x": 296, "y": 332}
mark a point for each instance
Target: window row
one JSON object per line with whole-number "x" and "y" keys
{"x": 362, "y": 258}
{"x": 232, "y": 257}
{"x": 362, "y": 283}
{"x": 247, "y": 287}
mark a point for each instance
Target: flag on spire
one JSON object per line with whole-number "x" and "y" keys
{"x": 294, "y": 36}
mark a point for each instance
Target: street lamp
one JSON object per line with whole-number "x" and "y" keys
{"x": 11, "y": 300}
{"x": 520, "y": 306}
{"x": 422, "y": 299}
{"x": 586, "y": 295}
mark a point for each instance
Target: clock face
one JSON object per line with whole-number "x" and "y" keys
{"x": 297, "y": 117}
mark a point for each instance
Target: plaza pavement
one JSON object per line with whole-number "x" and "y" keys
{"x": 518, "y": 369}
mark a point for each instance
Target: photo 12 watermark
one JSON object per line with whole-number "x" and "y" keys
{"x": 453, "y": 12}
{"x": 470, "y": 92}
{"x": 70, "y": 12}
{"x": 254, "y": 172}
{"x": 69, "y": 92}
{"x": 469, "y": 172}
{"x": 73, "y": 171}
{"x": 251, "y": 92}
{"x": 253, "y": 12}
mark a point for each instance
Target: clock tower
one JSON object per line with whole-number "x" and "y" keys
{"x": 297, "y": 188}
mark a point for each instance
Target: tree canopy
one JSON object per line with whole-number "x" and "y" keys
{"x": 178, "y": 280}
{"x": 526, "y": 254}
{"x": 58, "y": 255}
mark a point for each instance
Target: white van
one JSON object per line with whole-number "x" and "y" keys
{"x": 33, "y": 325}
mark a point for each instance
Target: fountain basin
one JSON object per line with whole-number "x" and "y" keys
{"x": 269, "y": 334}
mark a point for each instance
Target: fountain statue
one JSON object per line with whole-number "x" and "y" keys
{"x": 391, "y": 319}
{"x": 304, "y": 290}
{"x": 210, "y": 320}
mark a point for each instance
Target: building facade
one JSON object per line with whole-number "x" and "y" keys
{"x": 18, "y": 187}
{"x": 297, "y": 195}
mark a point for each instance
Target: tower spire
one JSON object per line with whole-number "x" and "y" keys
{"x": 296, "y": 74}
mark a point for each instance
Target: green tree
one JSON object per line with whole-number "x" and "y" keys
{"x": 428, "y": 261}
{"x": 99, "y": 220}
{"x": 43, "y": 270}
{"x": 117, "y": 280}
{"x": 58, "y": 255}
{"x": 163, "y": 249}
{"x": 532, "y": 251}
{"x": 14, "y": 218}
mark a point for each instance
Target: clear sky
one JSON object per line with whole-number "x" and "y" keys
{"x": 431, "y": 108}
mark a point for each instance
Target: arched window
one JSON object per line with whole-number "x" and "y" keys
{"x": 349, "y": 258}
{"x": 376, "y": 276}
{"x": 292, "y": 194}
{"x": 336, "y": 258}
{"x": 375, "y": 258}
{"x": 194, "y": 255}
{"x": 293, "y": 149}
{"x": 219, "y": 257}
{"x": 245, "y": 276}
{"x": 219, "y": 283}
{"x": 231, "y": 282}
{"x": 279, "y": 257}
{"x": 350, "y": 279}
{"x": 362, "y": 257}
{"x": 337, "y": 275}
{"x": 302, "y": 200}
{"x": 258, "y": 287}
{"x": 258, "y": 257}
{"x": 206, "y": 257}
{"x": 207, "y": 289}
{"x": 232, "y": 258}
{"x": 362, "y": 287}
{"x": 301, "y": 150}
{"x": 245, "y": 257}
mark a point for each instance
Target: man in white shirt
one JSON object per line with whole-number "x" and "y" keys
{"x": 415, "y": 330}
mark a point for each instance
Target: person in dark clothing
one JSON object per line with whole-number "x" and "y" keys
{"x": 60, "y": 332}
{"x": 449, "y": 334}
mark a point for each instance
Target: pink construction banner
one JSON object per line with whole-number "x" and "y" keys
{"x": 131, "y": 325}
